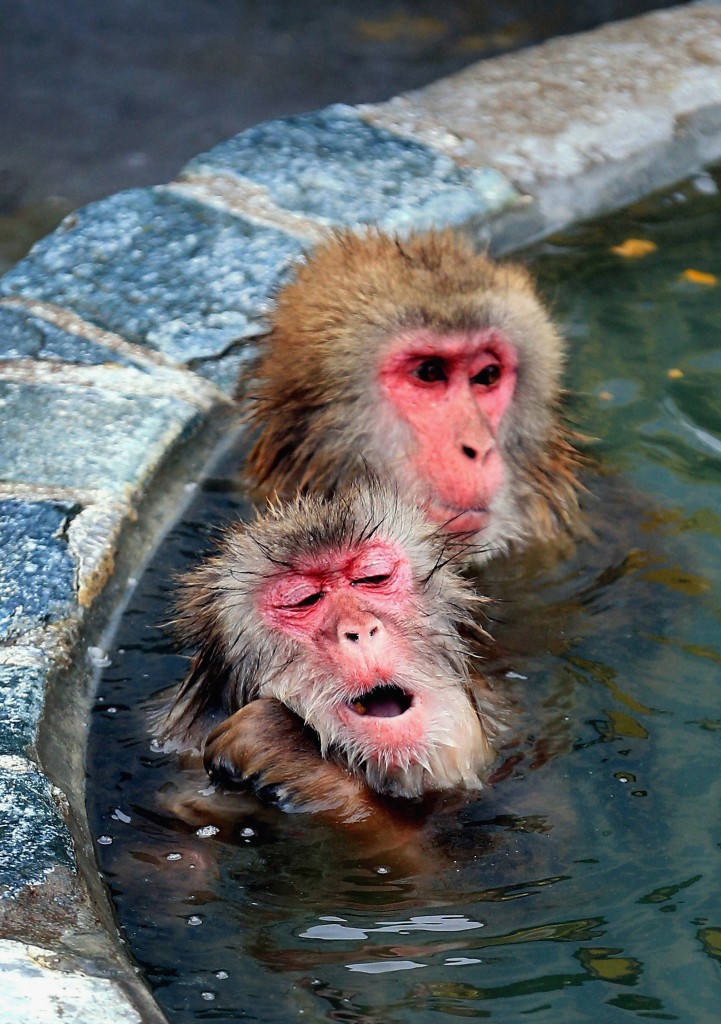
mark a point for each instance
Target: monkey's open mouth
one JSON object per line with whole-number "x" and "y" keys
{"x": 385, "y": 701}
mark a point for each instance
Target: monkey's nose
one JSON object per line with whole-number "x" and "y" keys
{"x": 355, "y": 637}
{"x": 360, "y": 631}
{"x": 468, "y": 451}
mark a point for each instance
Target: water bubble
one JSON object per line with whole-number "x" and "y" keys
{"x": 174, "y": 856}
{"x": 247, "y": 833}
{"x": 194, "y": 920}
{"x": 105, "y": 840}
{"x": 98, "y": 658}
{"x": 208, "y": 996}
{"x": 382, "y": 870}
{"x": 118, "y": 815}
{"x": 704, "y": 184}
{"x": 221, "y": 975}
{"x": 207, "y": 830}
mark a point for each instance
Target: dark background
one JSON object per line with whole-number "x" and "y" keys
{"x": 101, "y": 95}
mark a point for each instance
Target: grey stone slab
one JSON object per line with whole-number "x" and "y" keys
{"x": 333, "y": 165}
{"x": 24, "y": 336}
{"x": 582, "y": 124}
{"x": 36, "y": 571}
{"x": 161, "y": 270}
{"x": 224, "y": 372}
{"x": 39, "y": 987}
{"x": 35, "y": 838}
{"x": 73, "y": 436}
{"x": 21, "y": 702}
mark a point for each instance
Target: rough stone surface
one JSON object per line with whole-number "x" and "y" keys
{"x": 85, "y": 437}
{"x": 92, "y": 541}
{"x": 36, "y": 570}
{"x": 21, "y": 702}
{"x": 160, "y": 270}
{"x": 24, "y": 336}
{"x": 582, "y": 123}
{"x": 35, "y": 838}
{"x": 224, "y": 372}
{"x": 332, "y": 165}
{"x": 38, "y": 988}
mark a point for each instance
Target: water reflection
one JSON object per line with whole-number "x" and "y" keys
{"x": 585, "y": 883}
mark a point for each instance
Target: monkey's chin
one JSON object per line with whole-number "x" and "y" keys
{"x": 458, "y": 520}
{"x": 406, "y": 743}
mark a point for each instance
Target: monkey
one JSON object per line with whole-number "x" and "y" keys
{"x": 429, "y": 363}
{"x": 332, "y": 661}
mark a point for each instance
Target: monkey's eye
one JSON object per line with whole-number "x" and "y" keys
{"x": 430, "y": 370}
{"x": 306, "y": 602}
{"x": 371, "y": 581}
{"x": 488, "y": 375}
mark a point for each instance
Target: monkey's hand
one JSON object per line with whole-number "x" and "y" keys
{"x": 266, "y": 748}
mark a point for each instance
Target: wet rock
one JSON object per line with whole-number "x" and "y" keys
{"x": 37, "y": 572}
{"x": 161, "y": 270}
{"x": 332, "y": 165}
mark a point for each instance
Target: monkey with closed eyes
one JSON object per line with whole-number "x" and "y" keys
{"x": 331, "y": 660}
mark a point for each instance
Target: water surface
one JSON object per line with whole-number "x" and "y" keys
{"x": 585, "y": 884}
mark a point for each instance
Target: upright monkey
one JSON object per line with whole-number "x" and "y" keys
{"x": 430, "y": 364}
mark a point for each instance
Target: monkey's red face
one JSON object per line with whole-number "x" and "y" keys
{"x": 349, "y": 612}
{"x": 452, "y": 391}
{"x": 344, "y": 609}
{"x": 362, "y": 688}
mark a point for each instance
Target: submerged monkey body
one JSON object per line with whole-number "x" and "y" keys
{"x": 429, "y": 363}
{"x": 345, "y": 613}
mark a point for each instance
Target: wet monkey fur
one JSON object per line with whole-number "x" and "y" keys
{"x": 329, "y": 658}
{"x": 432, "y": 365}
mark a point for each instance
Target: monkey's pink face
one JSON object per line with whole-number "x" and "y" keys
{"x": 345, "y": 609}
{"x": 453, "y": 391}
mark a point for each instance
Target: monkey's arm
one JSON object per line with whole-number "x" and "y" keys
{"x": 264, "y": 747}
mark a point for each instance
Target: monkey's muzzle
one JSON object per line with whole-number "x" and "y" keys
{"x": 383, "y": 701}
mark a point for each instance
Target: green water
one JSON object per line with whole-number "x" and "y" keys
{"x": 585, "y": 884}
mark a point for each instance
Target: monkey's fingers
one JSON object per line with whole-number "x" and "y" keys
{"x": 265, "y": 748}
{"x": 251, "y": 741}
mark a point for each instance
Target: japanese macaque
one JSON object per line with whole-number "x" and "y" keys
{"x": 330, "y": 663}
{"x": 432, "y": 365}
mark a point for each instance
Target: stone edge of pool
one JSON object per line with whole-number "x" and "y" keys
{"x": 121, "y": 335}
